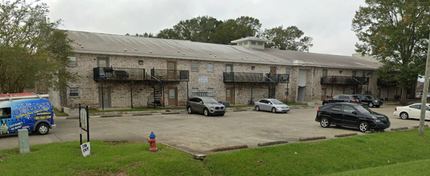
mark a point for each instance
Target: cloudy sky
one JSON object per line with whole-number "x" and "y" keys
{"x": 328, "y": 22}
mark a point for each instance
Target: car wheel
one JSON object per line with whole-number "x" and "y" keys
{"x": 273, "y": 110}
{"x": 404, "y": 115}
{"x": 189, "y": 110}
{"x": 325, "y": 122}
{"x": 257, "y": 108}
{"x": 364, "y": 126}
{"x": 206, "y": 112}
{"x": 42, "y": 129}
{"x": 370, "y": 105}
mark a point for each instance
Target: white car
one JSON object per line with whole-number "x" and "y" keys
{"x": 411, "y": 111}
{"x": 272, "y": 105}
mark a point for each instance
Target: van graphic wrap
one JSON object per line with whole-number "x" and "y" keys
{"x": 25, "y": 114}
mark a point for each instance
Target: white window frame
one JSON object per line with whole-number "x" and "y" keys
{"x": 194, "y": 66}
{"x": 210, "y": 67}
{"x": 195, "y": 91}
{"x": 210, "y": 92}
{"x": 74, "y": 91}
{"x": 72, "y": 61}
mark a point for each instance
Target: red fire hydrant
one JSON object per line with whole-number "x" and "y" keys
{"x": 151, "y": 141}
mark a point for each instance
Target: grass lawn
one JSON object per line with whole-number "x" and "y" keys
{"x": 59, "y": 113}
{"x": 391, "y": 153}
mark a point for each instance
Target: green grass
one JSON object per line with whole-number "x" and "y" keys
{"x": 393, "y": 153}
{"x": 59, "y": 113}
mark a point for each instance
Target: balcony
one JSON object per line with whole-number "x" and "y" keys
{"x": 381, "y": 82}
{"x": 242, "y": 77}
{"x": 344, "y": 80}
{"x": 119, "y": 74}
{"x": 170, "y": 75}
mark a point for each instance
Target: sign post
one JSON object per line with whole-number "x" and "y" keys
{"x": 84, "y": 126}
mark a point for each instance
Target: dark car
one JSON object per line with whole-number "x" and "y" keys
{"x": 351, "y": 115}
{"x": 342, "y": 98}
{"x": 369, "y": 101}
{"x": 205, "y": 105}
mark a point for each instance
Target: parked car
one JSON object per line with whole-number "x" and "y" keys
{"x": 369, "y": 101}
{"x": 205, "y": 105}
{"x": 30, "y": 112}
{"x": 272, "y": 105}
{"x": 411, "y": 111}
{"x": 342, "y": 98}
{"x": 351, "y": 115}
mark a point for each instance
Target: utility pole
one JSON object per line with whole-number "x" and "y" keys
{"x": 425, "y": 92}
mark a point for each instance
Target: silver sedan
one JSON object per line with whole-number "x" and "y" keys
{"x": 272, "y": 105}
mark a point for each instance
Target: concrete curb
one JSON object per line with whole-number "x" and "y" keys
{"x": 272, "y": 143}
{"x": 167, "y": 113}
{"x": 146, "y": 114}
{"x": 229, "y": 148}
{"x": 400, "y": 128}
{"x": 345, "y": 135}
{"x": 419, "y": 126}
{"x": 103, "y": 116}
{"x": 312, "y": 138}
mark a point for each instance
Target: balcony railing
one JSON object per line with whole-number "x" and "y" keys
{"x": 119, "y": 74}
{"x": 170, "y": 75}
{"x": 242, "y": 77}
{"x": 344, "y": 80}
{"x": 381, "y": 82}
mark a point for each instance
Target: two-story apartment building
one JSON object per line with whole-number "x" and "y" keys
{"x": 117, "y": 71}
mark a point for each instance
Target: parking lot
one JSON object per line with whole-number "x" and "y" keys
{"x": 199, "y": 134}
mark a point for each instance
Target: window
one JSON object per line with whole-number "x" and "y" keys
{"x": 140, "y": 62}
{"x": 210, "y": 92}
{"x": 324, "y": 72}
{"x": 288, "y": 70}
{"x": 210, "y": 67}
{"x": 348, "y": 109}
{"x": 194, "y": 66}
{"x": 354, "y": 73}
{"x": 245, "y": 43}
{"x": 74, "y": 92}
{"x": 260, "y": 43}
{"x": 5, "y": 113}
{"x": 253, "y": 43}
{"x": 195, "y": 92}
{"x": 72, "y": 62}
{"x": 337, "y": 108}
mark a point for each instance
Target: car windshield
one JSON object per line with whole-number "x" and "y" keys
{"x": 369, "y": 97}
{"x": 364, "y": 110}
{"x": 355, "y": 97}
{"x": 209, "y": 100}
{"x": 277, "y": 102}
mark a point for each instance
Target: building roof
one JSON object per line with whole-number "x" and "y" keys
{"x": 110, "y": 44}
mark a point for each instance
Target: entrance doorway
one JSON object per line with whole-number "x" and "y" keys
{"x": 171, "y": 70}
{"x": 229, "y": 95}
{"x": 173, "y": 96}
{"x": 104, "y": 97}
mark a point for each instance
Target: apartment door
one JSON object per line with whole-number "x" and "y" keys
{"x": 171, "y": 70}
{"x": 104, "y": 97}
{"x": 173, "y": 96}
{"x": 323, "y": 94}
{"x": 272, "y": 74}
{"x": 229, "y": 75}
{"x": 229, "y": 95}
{"x": 103, "y": 62}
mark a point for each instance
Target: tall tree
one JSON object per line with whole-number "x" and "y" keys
{"x": 395, "y": 32}
{"x": 231, "y": 29}
{"x": 32, "y": 50}
{"x": 290, "y": 38}
{"x": 196, "y": 29}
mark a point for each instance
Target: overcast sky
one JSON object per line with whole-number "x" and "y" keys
{"x": 328, "y": 22}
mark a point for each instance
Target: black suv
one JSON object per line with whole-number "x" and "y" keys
{"x": 369, "y": 101}
{"x": 205, "y": 105}
{"x": 342, "y": 98}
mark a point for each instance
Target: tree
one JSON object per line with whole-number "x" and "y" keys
{"x": 196, "y": 29}
{"x": 290, "y": 38}
{"x": 395, "y": 32}
{"x": 32, "y": 51}
{"x": 231, "y": 29}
